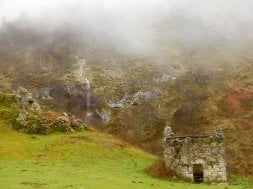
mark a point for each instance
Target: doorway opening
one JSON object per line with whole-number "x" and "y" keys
{"x": 198, "y": 175}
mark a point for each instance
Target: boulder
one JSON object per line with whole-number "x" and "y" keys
{"x": 25, "y": 98}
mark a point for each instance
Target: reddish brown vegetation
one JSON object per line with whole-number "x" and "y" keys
{"x": 122, "y": 143}
{"x": 239, "y": 154}
{"x": 237, "y": 108}
{"x": 244, "y": 122}
{"x": 236, "y": 100}
{"x": 49, "y": 117}
{"x": 159, "y": 170}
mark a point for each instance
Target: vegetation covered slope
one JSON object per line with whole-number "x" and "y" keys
{"x": 79, "y": 160}
{"x": 213, "y": 85}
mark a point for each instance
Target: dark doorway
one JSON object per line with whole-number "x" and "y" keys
{"x": 198, "y": 173}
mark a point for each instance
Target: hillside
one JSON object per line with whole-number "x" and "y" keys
{"x": 191, "y": 81}
{"x": 87, "y": 159}
{"x": 190, "y": 97}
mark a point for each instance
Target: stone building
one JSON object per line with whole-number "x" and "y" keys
{"x": 196, "y": 158}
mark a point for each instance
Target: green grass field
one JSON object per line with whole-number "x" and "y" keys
{"x": 87, "y": 160}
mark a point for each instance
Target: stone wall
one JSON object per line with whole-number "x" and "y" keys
{"x": 183, "y": 153}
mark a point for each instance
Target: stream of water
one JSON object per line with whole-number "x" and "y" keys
{"x": 82, "y": 63}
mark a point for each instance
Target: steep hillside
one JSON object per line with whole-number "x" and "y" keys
{"x": 86, "y": 159}
{"x": 134, "y": 96}
{"x": 191, "y": 99}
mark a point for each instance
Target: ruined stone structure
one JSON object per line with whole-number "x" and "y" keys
{"x": 196, "y": 158}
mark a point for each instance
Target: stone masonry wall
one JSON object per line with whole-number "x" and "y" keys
{"x": 181, "y": 153}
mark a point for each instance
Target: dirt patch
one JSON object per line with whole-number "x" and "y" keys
{"x": 34, "y": 184}
{"x": 75, "y": 139}
{"x": 122, "y": 143}
{"x": 238, "y": 100}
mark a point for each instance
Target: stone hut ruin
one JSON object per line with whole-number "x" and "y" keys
{"x": 196, "y": 158}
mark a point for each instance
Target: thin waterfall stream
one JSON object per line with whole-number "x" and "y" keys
{"x": 82, "y": 63}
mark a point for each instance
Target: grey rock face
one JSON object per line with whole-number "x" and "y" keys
{"x": 164, "y": 78}
{"x": 115, "y": 104}
{"x": 27, "y": 101}
{"x": 31, "y": 119}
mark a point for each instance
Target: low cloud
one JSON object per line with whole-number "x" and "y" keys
{"x": 141, "y": 26}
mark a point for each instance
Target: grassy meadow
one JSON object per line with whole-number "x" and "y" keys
{"x": 85, "y": 160}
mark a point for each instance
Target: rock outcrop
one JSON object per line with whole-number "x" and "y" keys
{"x": 28, "y": 103}
{"x": 30, "y": 118}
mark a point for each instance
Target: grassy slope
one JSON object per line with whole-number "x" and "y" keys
{"x": 80, "y": 160}
{"x": 86, "y": 159}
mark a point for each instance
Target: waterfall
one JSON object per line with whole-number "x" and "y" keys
{"x": 82, "y": 63}
{"x": 81, "y": 69}
{"x": 88, "y": 93}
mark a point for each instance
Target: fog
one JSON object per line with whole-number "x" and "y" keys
{"x": 139, "y": 26}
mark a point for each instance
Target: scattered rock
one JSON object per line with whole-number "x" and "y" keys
{"x": 164, "y": 78}
{"x": 103, "y": 115}
{"x": 44, "y": 94}
{"x": 135, "y": 99}
{"x": 115, "y": 104}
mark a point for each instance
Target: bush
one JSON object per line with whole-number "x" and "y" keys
{"x": 5, "y": 114}
{"x": 7, "y": 100}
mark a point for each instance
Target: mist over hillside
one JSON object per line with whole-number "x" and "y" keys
{"x": 138, "y": 27}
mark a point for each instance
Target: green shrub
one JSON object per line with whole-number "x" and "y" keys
{"x": 6, "y": 114}
{"x": 7, "y": 100}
